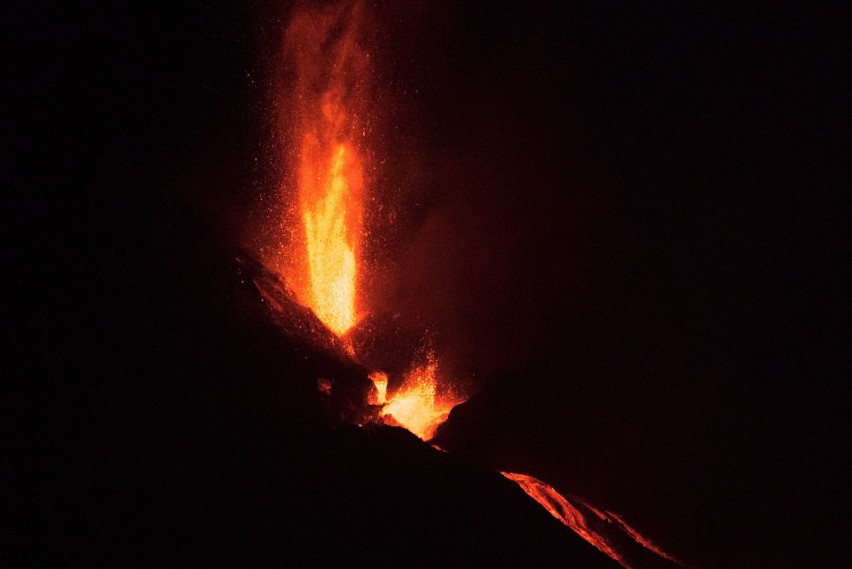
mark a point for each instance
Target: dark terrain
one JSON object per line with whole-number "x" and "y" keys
{"x": 629, "y": 227}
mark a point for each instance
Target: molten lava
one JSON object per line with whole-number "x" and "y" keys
{"x": 418, "y": 406}
{"x": 561, "y": 509}
{"x": 600, "y": 532}
{"x": 331, "y": 77}
{"x": 380, "y": 381}
{"x": 331, "y": 245}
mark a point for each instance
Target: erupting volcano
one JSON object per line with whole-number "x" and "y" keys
{"x": 327, "y": 136}
{"x": 356, "y": 283}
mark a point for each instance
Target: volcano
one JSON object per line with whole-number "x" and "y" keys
{"x": 323, "y": 260}
{"x": 617, "y": 232}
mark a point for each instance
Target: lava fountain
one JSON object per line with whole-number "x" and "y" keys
{"x": 326, "y": 133}
{"x": 327, "y": 127}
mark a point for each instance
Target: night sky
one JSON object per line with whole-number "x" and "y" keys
{"x": 622, "y": 224}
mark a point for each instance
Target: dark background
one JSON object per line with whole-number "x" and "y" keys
{"x": 625, "y": 223}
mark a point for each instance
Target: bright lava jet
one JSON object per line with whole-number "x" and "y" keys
{"x": 324, "y": 259}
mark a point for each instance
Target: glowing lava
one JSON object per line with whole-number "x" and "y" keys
{"x": 331, "y": 71}
{"x": 326, "y": 130}
{"x": 418, "y": 406}
{"x": 330, "y": 249}
{"x": 325, "y": 127}
{"x": 561, "y": 509}
{"x": 380, "y": 381}
{"x": 598, "y": 531}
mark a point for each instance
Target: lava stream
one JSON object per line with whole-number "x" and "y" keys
{"x": 569, "y": 512}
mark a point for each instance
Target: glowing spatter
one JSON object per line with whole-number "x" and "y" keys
{"x": 417, "y": 405}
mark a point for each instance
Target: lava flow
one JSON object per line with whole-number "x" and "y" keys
{"x": 603, "y": 529}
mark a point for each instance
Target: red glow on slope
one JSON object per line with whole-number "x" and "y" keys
{"x": 571, "y": 515}
{"x": 562, "y": 510}
{"x": 641, "y": 540}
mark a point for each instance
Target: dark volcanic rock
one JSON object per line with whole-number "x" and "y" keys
{"x": 173, "y": 418}
{"x": 342, "y": 383}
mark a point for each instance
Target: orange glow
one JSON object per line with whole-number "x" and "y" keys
{"x": 561, "y": 509}
{"x": 641, "y": 540}
{"x": 418, "y": 406}
{"x": 326, "y": 128}
{"x": 569, "y": 512}
{"x": 331, "y": 255}
{"x": 331, "y": 73}
{"x": 380, "y": 381}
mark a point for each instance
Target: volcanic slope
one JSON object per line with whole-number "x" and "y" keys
{"x": 171, "y": 420}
